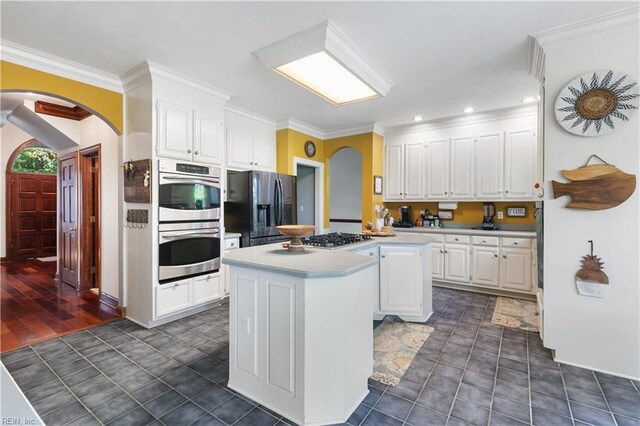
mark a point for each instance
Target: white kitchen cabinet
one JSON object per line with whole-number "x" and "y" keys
{"x": 230, "y": 243}
{"x": 519, "y": 164}
{"x": 374, "y": 252}
{"x": 489, "y": 165}
{"x": 486, "y": 266}
{"x": 401, "y": 285}
{"x": 456, "y": 262}
{"x": 515, "y": 269}
{"x": 461, "y": 164}
{"x": 206, "y": 288}
{"x": 437, "y": 259}
{"x": 437, "y": 169}
{"x": 394, "y": 167}
{"x": 247, "y": 151}
{"x": 413, "y": 171}
{"x": 173, "y": 297}
{"x": 188, "y": 134}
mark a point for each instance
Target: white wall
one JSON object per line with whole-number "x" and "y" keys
{"x": 345, "y": 189}
{"x": 601, "y": 334}
{"x": 306, "y": 193}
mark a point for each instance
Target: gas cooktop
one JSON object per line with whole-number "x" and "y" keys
{"x": 334, "y": 239}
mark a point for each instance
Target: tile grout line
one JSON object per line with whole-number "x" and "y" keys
{"x": 566, "y": 394}
{"x": 606, "y": 400}
{"x": 529, "y": 380}
{"x": 495, "y": 376}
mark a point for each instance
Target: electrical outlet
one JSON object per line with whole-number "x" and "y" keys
{"x": 500, "y": 215}
{"x": 246, "y": 325}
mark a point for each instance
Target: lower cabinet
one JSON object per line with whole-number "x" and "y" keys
{"x": 401, "y": 280}
{"x": 515, "y": 269}
{"x": 486, "y": 266}
{"x": 180, "y": 295}
{"x": 375, "y": 253}
{"x": 437, "y": 260}
{"x": 456, "y": 262}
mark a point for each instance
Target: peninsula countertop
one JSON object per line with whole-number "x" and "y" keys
{"x": 315, "y": 262}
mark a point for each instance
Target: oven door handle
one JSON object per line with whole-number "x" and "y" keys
{"x": 189, "y": 180}
{"x": 186, "y": 235}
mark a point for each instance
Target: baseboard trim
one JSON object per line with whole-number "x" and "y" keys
{"x": 111, "y": 302}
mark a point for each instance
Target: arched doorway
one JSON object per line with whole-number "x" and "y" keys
{"x": 31, "y": 201}
{"x": 345, "y": 191}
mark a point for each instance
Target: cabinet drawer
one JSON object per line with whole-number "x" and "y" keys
{"x": 516, "y": 242}
{"x": 439, "y": 238}
{"x": 173, "y": 297}
{"x": 459, "y": 239}
{"x": 485, "y": 241}
{"x": 231, "y": 243}
{"x": 206, "y": 288}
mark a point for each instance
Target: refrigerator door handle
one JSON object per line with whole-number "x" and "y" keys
{"x": 276, "y": 202}
{"x": 280, "y": 202}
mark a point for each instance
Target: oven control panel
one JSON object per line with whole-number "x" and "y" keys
{"x": 192, "y": 168}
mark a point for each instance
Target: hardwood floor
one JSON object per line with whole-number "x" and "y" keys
{"x": 33, "y": 307}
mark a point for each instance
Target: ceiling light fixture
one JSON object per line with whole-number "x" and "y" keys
{"x": 323, "y": 60}
{"x": 417, "y": 118}
{"x": 529, "y": 100}
{"x": 467, "y": 110}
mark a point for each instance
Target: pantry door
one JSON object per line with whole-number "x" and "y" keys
{"x": 68, "y": 252}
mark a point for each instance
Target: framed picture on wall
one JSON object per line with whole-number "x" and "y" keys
{"x": 377, "y": 184}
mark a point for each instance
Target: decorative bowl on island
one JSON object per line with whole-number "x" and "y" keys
{"x": 295, "y": 232}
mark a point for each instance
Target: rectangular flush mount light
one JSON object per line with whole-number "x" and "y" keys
{"x": 322, "y": 60}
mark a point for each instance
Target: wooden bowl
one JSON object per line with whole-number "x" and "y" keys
{"x": 295, "y": 232}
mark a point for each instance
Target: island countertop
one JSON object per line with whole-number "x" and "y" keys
{"x": 315, "y": 262}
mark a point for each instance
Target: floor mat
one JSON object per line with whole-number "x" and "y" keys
{"x": 516, "y": 313}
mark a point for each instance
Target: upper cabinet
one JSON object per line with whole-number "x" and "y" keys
{"x": 250, "y": 142}
{"x": 479, "y": 162}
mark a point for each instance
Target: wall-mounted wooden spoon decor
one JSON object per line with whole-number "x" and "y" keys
{"x": 595, "y": 186}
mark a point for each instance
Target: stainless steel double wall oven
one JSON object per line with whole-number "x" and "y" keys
{"x": 189, "y": 200}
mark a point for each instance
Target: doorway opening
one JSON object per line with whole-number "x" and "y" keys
{"x": 90, "y": 219}
{"x": 310, "y": 192}
{"x": 345, "y": 191}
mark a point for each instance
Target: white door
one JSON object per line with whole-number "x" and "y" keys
{"x": 456, "y": 262}
{"x": 437, "y": 261}
{"x": 437, "y": 168}
{"x": 175, "y": 131}
{"x": 515, "y": 269}
{"x": 206, "y": 288}
{"x": 486, "y": 266}
{"x": 400, "y": 280}
{"x": 519, "y": 164}
{"x": 394, "y": 170}
{"x": 413, "y": 175}
{"x": 461, "y": 182}
{"x": 239, "y": 149}
{"x": 207, "y": 138}
{"x": 489, "y": 166}
{"x": 264, "y": 154}
{"x": 173, "y": 297}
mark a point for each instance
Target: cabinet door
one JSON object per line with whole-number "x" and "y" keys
{"x": 461, "y": 182}
{"x": 394, "y": 171}
{"x": 520, "y": 164}
{"x": 486, "y": 266}
{"x": 175, "y": 131}
{"x": 515, "y": 269}
{"x": 207, "y": 138}
{"x": 206, "y": 288}
{"x": 173, "y": 297}
{"x": 264, "y": 154}
{"x": 437, "y": 261}
{"x": 489, "y": 166}
{"x": 373, "y": 253}
{"x": 400, "y": 279}
{"x": 413, "y": 175}
{"x": 437, "y": 168}
{"x": 239, "y": 149}
{"x": 456, "y": 262}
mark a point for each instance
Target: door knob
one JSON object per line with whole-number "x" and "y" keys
{"x": 73, "y": 229}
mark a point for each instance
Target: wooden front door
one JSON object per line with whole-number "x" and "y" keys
{"x": 68, "y": 172}
{"x": 32, "y": 213}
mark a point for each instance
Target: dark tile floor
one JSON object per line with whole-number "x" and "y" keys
{"x": 468, "y": 372}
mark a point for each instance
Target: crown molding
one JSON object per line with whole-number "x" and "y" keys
{"x": 374, "y": 127}
{"x": 241, "y": 112}
{"x": 463, "y": 120}
{"x": 31, "y": 58}
{"x": 300, "y": 126}
{"x": 588, "y": 27}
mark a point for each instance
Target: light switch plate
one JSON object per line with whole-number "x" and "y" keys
{"x": 500, "y": 215}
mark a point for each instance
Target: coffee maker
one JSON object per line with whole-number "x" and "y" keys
{"x": 405, "y": 218}
{"x": 489, "y": 210}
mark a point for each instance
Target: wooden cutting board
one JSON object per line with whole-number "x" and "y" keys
{"x": 595, "y": 187}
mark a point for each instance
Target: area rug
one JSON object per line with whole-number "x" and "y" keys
{"x": 516, "y": 313}
{"x": 395, "y": 344}
{"x": 47, "y": 259}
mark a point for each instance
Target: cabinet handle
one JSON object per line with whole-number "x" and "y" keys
{"x": 383, "y": 255}
{"x": 446, "y": 251}
{"x": 506, "y": 192}
{"x": 456, "y": 239}
{"x": 484, "y": 241}
{"x": 251, "y": 163}
{"x": 441, "y": 251}
{"x": 255, "y": 164}
{"x": 495, "y": 255}
{"x": 371, "y": 254}
{"x": 515, "y": 243}
{"x": 188, "y": 151}
{"x": 504, "y": 256}
{"x": 445, "y": 192}
{"x": 499, "y": 191}
{"x": 175, "y": 285}
{"x": 196, "y": 153}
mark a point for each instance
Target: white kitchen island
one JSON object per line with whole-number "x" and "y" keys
{"x": 301, "y": 332}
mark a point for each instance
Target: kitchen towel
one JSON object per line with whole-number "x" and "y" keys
{"x": 516, "y": 313}
{"x": 395, "y": 344}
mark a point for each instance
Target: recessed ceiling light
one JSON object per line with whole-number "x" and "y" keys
{"x": 323, "y": 60}
{"x": 467, "y": 110}
{"x": 418, "y": 118}
{"x": 529, "y": 100}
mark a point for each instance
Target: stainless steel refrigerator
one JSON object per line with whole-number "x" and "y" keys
{"x": 256, "y": 203}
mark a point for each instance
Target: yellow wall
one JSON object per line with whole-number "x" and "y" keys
{"x": 470, "y": 212}
{"x": 106, "y": 104}
{"x": 290, "y": 144}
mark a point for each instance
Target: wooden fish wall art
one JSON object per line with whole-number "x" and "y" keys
{"x": 595, "y": 186}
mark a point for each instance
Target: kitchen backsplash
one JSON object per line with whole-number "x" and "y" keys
{"x": 469, "y": 212}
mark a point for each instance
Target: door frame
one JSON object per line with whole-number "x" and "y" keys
{"x": 84, "y": 217}
{"x": 319, "y": 188}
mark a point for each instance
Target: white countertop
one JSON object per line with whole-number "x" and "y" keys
{"x": 467, "y": 231}
{"x": 314, "y": 262}
{"x": 229, "y": 235}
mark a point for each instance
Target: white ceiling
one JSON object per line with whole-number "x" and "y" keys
{"x": 441, "y": 56}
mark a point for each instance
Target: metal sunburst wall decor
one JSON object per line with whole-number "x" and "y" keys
{"x": 597, "y": 103}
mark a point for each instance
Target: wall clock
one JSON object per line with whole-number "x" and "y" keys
{"x": 310, "y": 149}
{"x": 597, "y": 103}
